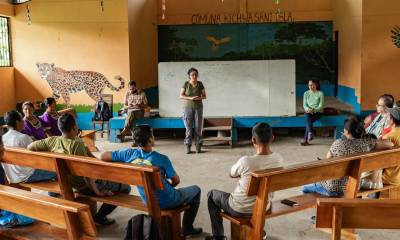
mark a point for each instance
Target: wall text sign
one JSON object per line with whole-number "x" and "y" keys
{"x": 256, "y": 17}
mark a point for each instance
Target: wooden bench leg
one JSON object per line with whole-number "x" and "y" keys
{"x": 171, "y": 227}
{"x": 394, "y": 193}
{"x": 176, "y": 227}
{"x": 238, "y": 232}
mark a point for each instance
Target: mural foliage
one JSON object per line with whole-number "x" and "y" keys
{"x": 309, "y": 43}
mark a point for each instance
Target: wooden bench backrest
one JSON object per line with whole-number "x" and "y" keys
{"x": 71, "y": 216}
{"x": 263, "y": 182}
{"x": 357, "y": 213}
{"x": 143, "y": 176}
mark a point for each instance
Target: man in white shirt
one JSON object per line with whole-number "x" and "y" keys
{"x": 237, "y": 203}
{"x": 14, "y": 138}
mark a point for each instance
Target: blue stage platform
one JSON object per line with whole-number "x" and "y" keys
{"x": 117, "y": 123}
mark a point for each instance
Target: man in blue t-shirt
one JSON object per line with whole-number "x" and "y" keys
{"x": 169, "y": 197}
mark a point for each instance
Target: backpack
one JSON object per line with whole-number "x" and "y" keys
{"x": 143, "y": 227}
{"x": 102, "y": 111}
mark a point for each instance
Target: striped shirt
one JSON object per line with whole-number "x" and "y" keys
{"x": 136, "y": 98}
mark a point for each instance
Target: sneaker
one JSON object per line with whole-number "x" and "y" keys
{"x": 212, "y": 237}
{"x": 313, "y": 220}
{"x": 104, "y": 222}
{"x": 304, "y": 143}
{"x": 193, "y": 231}
{"x": 198, "y": 148}
{"x": 188, "y": 151}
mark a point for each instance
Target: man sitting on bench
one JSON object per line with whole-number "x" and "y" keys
{"x": 169, "y": 197}
{"x": 68, "y": 143}
{"x": 14, "y": 138}
{"x": 237, "y": 203}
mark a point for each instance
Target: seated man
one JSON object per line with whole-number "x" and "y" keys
{"x": 237, "y": 203}
{"x": 169, "y": 197}
{"x": 392, "y": 175}
{"x": 135, "y": 103}
{"x": 69, "y": 144}
{"x": 14, "y": 138}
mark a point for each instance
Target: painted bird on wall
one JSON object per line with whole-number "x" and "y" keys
{"x": 215, "y": 43}
{"x": 396, "y": 36}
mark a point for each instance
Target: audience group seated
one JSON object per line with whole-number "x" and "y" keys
{"x": 54, "y": 133}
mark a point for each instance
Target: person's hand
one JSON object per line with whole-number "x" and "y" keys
{"x": 197, "y": 98}
{"x": 103, "y": 193}
{"x": 308, "y": 111}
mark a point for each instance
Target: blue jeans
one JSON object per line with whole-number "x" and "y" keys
{"x": 310, "y": 119}
{"x": 318, "y": 188}
{"x": 188, "y": 196}
{"x": 41, "y": 176}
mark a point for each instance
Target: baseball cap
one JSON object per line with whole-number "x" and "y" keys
{"x": 394, "y": 112}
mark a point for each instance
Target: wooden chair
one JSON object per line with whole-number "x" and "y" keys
{"x": 108, "y": 98}
{"x": 147, "y": 177}
{"x": 264, "y": 182}
{"x": 55, "y": 218}
{"x": 357, "y": 213}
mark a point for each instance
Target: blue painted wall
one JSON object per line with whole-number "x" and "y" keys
{"x": 348, "y": 95}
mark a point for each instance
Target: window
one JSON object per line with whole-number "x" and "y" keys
{"x": 5, "y": 54}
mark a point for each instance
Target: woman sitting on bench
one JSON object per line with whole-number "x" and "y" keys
{"x": 353, "y": 141}
{"x": 32, "y": 125}
{"x": 50, "y": 117}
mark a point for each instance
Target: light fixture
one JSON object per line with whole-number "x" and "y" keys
{"x": 102, "y": 5}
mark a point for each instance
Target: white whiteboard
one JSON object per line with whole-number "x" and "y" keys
{"x": 233, "y": 88}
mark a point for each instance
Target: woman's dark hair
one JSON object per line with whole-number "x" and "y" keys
{"x": 11, "y": 118}
{"x": 48, "y": 101}
{"x": 192, "y": 69}
{"x": 141, "y": 135}
{"x": 354, "y": 127}
{"x": 388, "y": 100}
{"x": 27, "y": 103}
{"x": 316, "y": 82}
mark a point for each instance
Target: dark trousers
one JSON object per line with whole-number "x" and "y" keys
{"x": 106, "y": 208}
{"x": 187, "y": 196}
{"x": 310, "y": 119}
{"x": 218, "y": 202}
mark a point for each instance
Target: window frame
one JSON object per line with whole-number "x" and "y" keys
{"x": 9, "y": 43}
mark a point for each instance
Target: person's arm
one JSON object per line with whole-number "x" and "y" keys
{"x": 91, "y": 183}
{"x": 383, "y": 145}
{"x": 38, "y": 146}
{"x": 183, "y": 96}
{"x": 106, "y": 156}
{"x": 305, "y": 104}
{"x": 320, "y": 106}
{"x": 237, "y": 169}
{"x": 203, "y": 95}
{"x": 329, "y": 155}
{"x": 175, "y": 180}
{"x": 144, "y": 103}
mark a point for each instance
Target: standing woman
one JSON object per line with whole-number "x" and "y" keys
{"x": 313, "y": 103}
{"x": 32, "y": 125}
{"x": 192, "y": 93}
{"x": 50, "y": 117}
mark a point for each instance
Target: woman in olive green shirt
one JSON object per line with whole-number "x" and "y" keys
{"x": 192, "y": 93}
{"x": 313, "y": 103}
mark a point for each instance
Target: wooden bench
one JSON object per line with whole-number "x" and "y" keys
{"x": 357, "y": 213}
{"x": 222, "y": 126}
{"x": 264, "y": 182}
{"x": 56, "y": 218}
{"x": 144, "y": 176}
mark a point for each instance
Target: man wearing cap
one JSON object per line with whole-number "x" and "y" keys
{"x": 392, "y": 175}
